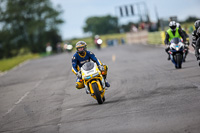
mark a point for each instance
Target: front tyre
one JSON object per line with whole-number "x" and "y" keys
{"x": 179, "y": 60}
{"x": 97, "y": 93}
{"x": 103, "y": 98}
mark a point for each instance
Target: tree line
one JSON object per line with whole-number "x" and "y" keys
{"x": 27, "y": 26}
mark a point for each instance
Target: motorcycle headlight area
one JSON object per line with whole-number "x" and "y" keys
{"x": 87, "y": 77}
{"x": 93, "y": 75}
{"x": 177, "y": 48}
{"x": 96, "y": 74}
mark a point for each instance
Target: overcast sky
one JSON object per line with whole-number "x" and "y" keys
{"x": 75, "y": 12}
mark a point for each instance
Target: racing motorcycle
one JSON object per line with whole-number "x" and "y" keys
{"x": 98, "y": 43}
{"x": 93, "y": 81}
{"x": 194, "y": 46}
{"x": 177, "y": 51}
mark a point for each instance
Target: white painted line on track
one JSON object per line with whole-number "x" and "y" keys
{"x": 113, "y": 58}
{"x": 25, "y": 95}
{"x": 70, "y": 109}
{"x": 22, "y": 98}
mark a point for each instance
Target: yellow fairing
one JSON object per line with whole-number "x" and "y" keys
{"x": 99, "y": 86}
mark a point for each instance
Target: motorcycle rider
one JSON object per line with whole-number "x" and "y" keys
{"x": 171, "y": 33}
{"x": 81, "y": 57}
{"x": 184, "y": 32}
{"x": 96, "y": 39}
{"x": 187, "y": 43}
{"x": 196, "y": 39}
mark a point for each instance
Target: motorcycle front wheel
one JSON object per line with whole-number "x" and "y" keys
{"x": 179, "y": 60}
{"x": 97, "y": 93}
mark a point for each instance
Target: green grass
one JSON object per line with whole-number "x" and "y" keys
{"x": 7, "y": 64}
{"x": 154, "y": 38}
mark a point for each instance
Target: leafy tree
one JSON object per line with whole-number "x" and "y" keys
{"x": 27, "y": 24}
{"x": 101, "y": 25}
{"x": 191, "y": 19}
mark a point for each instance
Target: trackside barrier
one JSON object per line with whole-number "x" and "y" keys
{"x": 144, "y": 37}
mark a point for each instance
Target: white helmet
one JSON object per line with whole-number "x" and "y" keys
{"x": 172, "y": 25}
{"x": 96, "y": 36}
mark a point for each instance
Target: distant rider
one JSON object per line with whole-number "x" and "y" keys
{"x": 97, "y": 42}
{"x": 171, "y": 33}
{"x": 196, "y": 39}
{"x": 81, "y": 57}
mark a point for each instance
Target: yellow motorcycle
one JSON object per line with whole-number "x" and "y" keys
{"x": 93, "y": 81}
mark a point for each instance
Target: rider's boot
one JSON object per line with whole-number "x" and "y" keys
{"x": 166, "y": 50}
{"x": 198, "y": 57}
{"x": 168, "y": 57}
{"x": 106, "y": 82}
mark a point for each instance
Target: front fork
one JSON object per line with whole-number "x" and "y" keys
{"x": 172, "y": 58}
{"x": 102, "y": 83}
{"x": 101, "y": 90}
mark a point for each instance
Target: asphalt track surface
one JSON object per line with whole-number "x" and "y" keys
{"x": 147, "y": 95}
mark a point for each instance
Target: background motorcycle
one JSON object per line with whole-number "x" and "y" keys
{"x": 68, "y": 47}
{"x": 176, "y": 52}
{"x": 98, "y": 43}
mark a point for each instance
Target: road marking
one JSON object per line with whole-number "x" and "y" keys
{"x": 113, "y": 58}
{"x": 70, "y": 109}
{"x": 9, "y": 110}
{"x": 25, "y": 95}
{"x": 16, "y": 103}
{"x": 22, "y": 98}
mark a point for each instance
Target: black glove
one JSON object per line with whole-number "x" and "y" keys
{"x": 186, "y": 45}
{"x": 78, "y": 74}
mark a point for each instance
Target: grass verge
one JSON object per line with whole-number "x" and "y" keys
{"x": 7, "y": 64}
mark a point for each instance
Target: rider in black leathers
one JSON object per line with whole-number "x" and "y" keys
{"x": 187, "y": 42}
{"x": 196, "y": 39}
{"x": 172, "y": 28}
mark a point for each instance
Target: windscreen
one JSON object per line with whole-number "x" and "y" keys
{"x": 176, "y": 40}
{"x": 88, "y": 66}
